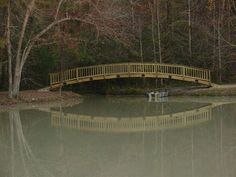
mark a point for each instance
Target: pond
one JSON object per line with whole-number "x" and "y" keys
{"x": 121, "y": 137}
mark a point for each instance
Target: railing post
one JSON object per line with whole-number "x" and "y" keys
{"x": 156, "y": 67}
{"x": 209, "y": 76}
{"x": 129, "y": 68}
{"x": 103, "y": 70}
{"x": 77, "y": 73}
{"x": 183, "y": 72}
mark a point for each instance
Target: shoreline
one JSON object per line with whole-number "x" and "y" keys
{"x": 215, "y": 90}
{"x": 37, "y": 97}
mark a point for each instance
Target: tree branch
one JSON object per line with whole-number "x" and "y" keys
{"x": 58, "y": 9}
{"x": 22, "y": 33}
{"x": 31, "y": 43}
{"x": 229, "y": 43}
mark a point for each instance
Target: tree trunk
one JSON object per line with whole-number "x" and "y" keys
{"x": 189, "y": 31}
{"x": 159, "y": 34}
{"x": 9, "y": 50}
{"x": 140, "y": 40}
{"x": 16, "y": 83}
{"x": 219, "y": 54}
{"x": 219, "y": 44}
{"x": 153, "y": 33}
{"x": 214, "y": 37}
{"x": 133, "y": 18}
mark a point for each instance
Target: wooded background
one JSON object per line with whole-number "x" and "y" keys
{"x": 199, "y": 33}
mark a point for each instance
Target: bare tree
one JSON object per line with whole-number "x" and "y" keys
{"x": 189, "y": 30}
{"x": 159, "y": 33}
{"x": 219, "y": 41}
{"x": 214, "y": 35}
{"x": 153, "y": 30}
{"x": 140, "y": 31}
{"x": 133, "y": 4}
{"x": 108, "y": 18}
{"x": 9, "y": 48}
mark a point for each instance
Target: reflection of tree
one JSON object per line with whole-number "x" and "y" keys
{"x": 11, "y": 117}
{"x": 26, "y": 156}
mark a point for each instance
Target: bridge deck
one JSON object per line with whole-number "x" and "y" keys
{"x": 125, "y": 70}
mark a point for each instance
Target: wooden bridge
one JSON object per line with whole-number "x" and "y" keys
{"x": 136, "y": 124}
{"x": 126, "y": 70}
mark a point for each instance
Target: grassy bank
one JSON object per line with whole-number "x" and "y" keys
{"x": 216, "y": 90}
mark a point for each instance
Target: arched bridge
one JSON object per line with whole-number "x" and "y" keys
{"x": 126, "y": 70}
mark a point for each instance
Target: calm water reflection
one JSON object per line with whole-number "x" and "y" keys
{"x": 121, "y": 137}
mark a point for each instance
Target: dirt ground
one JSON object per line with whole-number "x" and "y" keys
{"x": 34, "y": 96}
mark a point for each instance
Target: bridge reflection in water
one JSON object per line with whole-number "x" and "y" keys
{"x": 135, "y": 124}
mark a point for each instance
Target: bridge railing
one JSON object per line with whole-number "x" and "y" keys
{"x": 129, "y": 68}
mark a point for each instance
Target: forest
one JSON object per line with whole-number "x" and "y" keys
{"x": 42, "y": 36}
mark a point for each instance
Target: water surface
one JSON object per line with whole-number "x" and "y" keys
{"x": 121, "y": 137}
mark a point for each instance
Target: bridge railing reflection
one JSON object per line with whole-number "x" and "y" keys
{"x": 134, "y": 124}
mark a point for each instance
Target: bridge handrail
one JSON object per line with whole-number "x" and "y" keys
{"x": 125, "y": 68}
{"x": 138, "y": 63}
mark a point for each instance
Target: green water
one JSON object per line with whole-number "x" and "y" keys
{"x": 121, "y": 137}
